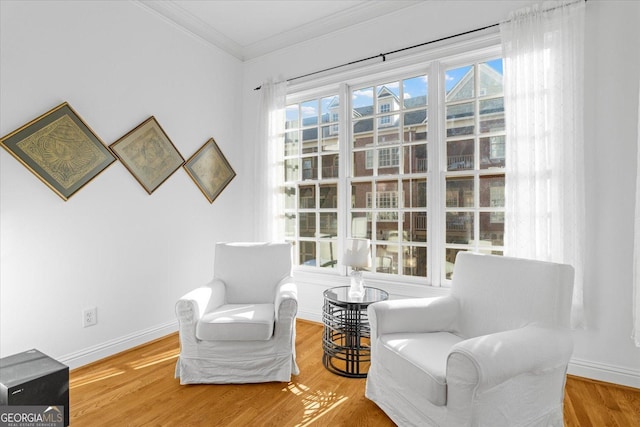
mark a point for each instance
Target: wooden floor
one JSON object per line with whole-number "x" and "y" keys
{"x": 137, "y": 388}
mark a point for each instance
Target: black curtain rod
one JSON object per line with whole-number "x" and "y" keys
{"x": 384, "y": 55}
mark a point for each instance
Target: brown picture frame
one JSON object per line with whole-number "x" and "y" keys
{"x": 210, "y": 170}
{"x": 60, "y": 149}
{"x": 148, "y": 154}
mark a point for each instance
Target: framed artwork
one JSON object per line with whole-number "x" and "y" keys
{"x": 148, "y": 153}
{"x": 210, "y": 170}
{"x": 60, "y": 149}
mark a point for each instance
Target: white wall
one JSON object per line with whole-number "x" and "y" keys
{"x": 110, "y": 245}
{"x": 604, "y": 349}
{"x": 132, "y": 255}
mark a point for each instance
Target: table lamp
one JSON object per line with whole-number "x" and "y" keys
{"x": 357, "y": 255}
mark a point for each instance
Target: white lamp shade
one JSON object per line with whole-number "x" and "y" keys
{"x": 357, "y": 253}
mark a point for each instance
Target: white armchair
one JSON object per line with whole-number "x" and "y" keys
{"x": 492, "y": 353}
{"x": 240, "y": 327}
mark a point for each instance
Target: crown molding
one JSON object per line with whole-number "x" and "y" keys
{"x": 175, "y": 14}
{"x": 171, "y": 11}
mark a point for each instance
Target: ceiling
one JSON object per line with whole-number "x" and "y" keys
{"x": 248, "y": 29}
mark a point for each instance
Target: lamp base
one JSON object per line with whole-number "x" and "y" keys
{"x": 356, "y": 290}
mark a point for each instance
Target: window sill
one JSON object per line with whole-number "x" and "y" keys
{"x": 396, "y": 287}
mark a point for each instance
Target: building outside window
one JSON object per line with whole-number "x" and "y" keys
{"x": 417, "y": 166}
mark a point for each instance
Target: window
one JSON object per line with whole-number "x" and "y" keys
{"x": 311, "y": 160}
{"x": 414, "y": 162}
{"x": 474, "y": 148}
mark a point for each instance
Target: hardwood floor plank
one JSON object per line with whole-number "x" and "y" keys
{"x": 138, "y": 388}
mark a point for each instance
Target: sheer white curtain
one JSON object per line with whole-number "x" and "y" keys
{"x": 635, "y": 335}
{"x": 543, "y": 48}
{"x": 268, "y": 162}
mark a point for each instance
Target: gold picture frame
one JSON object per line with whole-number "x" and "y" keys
{"x": 210, "y": 170}
{"x": 60, "y": 149}
{"x": 148, "y": 153}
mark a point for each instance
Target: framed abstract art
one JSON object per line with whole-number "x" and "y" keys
{"x": 148, "y": 153}
{"x": 60, "y": 149}
{"x": 210, "y": 170}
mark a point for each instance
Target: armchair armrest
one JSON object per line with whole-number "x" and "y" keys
{"x": 286, "y": 292}
{"x": 192, "y": 306}
{"x": 492, "y": 359}
{"x": 412, "y": 315}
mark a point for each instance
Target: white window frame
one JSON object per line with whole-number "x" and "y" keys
{"x": 432, "y": 62}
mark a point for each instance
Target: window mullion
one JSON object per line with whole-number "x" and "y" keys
{"x": 344, "y": 165}
{"x": 435, "y": 176}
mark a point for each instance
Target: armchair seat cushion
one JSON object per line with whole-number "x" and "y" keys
{"x": 420, "y": 359}
{"x": 237, "y": 322}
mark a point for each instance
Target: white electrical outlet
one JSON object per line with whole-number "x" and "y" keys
{"x": 89, "y": 317}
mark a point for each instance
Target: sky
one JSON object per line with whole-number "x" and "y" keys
{"x": 363, "y": 97}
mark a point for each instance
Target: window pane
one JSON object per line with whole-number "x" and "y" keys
{"x": 387, "y": 259}
{"x": 328, "y": 254}
{"x": 307, "y": 225}
{"x": 309, "y": 111}
{"x": 292, "y": 116}
{"x": 460, "y": 192}
{"x": 310, "y": 140}
{"x": 362, "y": 101}
{"x": 492, "y": 115}
{"x": 360, "y": 225}
{"x": 460, "y": 155}
{"x": 290, "y": 198}
{"x": 386, "y": 195}
{"x": 415, "y": 261}
{"x": 290, "y": 225}
{"x": 291, "y": 170}
{"x": 459, "y": 227}
{"x": 388, "y": 160}
{"x": 330, "y": 166}
{"x": 291, "y": 143}
{"x": 389, "y": 129}
{"x": 330, "y": 109}
{"x": 492, "y": 191}
{"x": 414, "y": 192}
{"x": 359, "y": 192}
{"x": 387, "y": 225}
{"x": 328, "y": 196}
{"x": 362, "y": 133}
{"x": 307, "y": 197}
{"x": 492, "y": 152}
{"x": 461, "y": 119}
{"x": 491, "y": 78}
{"x": 328, "y": 224}
{"x": 362, "y": 163}
{"x": 389, "y": 97}
{"x": 491, "y": 229}
{"x": 414, "y": 226}
{"x": 308, "y": 253}
{"x": 384, "y": 262}
{"x": 459, "y": 83}
{"x": 309, "y": 168}
{"x": 415, "y": 126}
{"x": 415, "y": 158}
{"x": 415, "y": 91}
{"x": 330, "y": 138}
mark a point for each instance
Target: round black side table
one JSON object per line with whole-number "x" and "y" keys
{"x": 346, "y": 338}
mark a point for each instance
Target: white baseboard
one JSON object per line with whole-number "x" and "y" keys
{"x": 310, "y": 315}
{"x": 578, "y": 367}
{"x": 604, "y": 372}
{"x": 109, "y": 348}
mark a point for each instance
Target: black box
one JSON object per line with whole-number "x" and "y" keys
{"x": 33, "y": 378}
